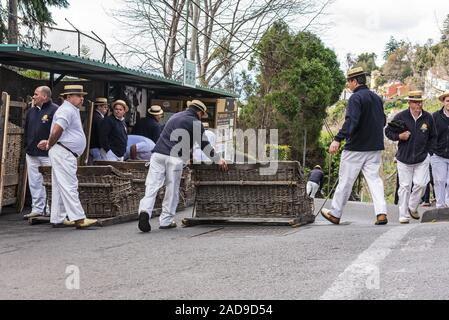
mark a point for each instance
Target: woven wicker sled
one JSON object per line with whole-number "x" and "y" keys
{"x": 104, "y": 191}
{"x": 244, "y": 195}
{"x": 139, "y": 171}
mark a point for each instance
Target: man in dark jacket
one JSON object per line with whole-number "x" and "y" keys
{"x": 101, "y": 110}
{"x": 315, "y": 181}
{"x": 440, "y": 158}
{"x": 413, "y": 158}
{"x": 37, "y": 127}
{"x": 150, "y": 126}
{"x": 171, "y": 152}
{"x": 114, "y": 136}
{"x": 363, "y": 131}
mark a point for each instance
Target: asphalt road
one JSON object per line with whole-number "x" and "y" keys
{"x": 356, "y": 260}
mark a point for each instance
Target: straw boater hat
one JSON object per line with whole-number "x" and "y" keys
{"x": 443, "y": 96}
{"x": 73, "y": 89}
{"x": 415, "y": 96}
{"x": 197, "y": 104}
{"x": 122, "y": 103}
{"x": 355, "y": 72}
{"x": 155, "y": 110}
{"x": 100, "y": 101}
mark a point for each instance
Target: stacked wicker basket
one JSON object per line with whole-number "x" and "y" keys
{"x": 104, "y": 191}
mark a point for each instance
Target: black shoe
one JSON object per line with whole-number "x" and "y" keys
{"x": 170, "y": 226}
{"x": 381, "y": 220}
{"x": 144, "y": 222}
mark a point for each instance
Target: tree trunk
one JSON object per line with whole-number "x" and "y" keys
{"x": 13, "y": 29}
{"x": 196, "y": 19}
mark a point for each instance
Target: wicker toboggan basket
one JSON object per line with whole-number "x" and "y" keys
{"x": 243, "y": 192}
{"x": 104, "y": 191}
{"x": 139, "y": 171}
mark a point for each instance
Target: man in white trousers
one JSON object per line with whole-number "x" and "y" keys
{"x": 363, "y": 131}
{"x": 171, "y": 152}
{"x": 37, "y": 127}
{"x": 413, "y": 157}
{"x": 440, "y": 158}
{"x": 315, "y": 181}
{"x": 65, "y": 144}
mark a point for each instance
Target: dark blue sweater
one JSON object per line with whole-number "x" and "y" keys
{"x": 364, "y": 124}
{"x": 442, "y": 127}
{"x": 150, "y": 128}
{"x": 421, "y": 142}
{"x": 317, "y": 176}
{"x": 95, "y": 134}
{"x": 37, "y": 127}
{"x": 182, "y": 120}
{"x": 113, "y": 135}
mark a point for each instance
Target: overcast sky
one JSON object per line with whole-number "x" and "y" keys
{"x": 355, "y": 26}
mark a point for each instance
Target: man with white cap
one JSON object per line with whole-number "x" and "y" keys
{"x": 440, "y": 158}
{"x": 363, "y": 131}
{"x": 150, "y": 126}
{"x": 413, "y": 157}
{"x": 101, "y": 110}
{"x": 171, "y": 152}
{"x": 65, "y": 144}
{"x": 114, "y": 135}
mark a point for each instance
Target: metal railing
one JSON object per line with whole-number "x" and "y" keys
{"x": 75, "y": 42}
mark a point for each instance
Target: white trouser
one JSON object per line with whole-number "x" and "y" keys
{"x": 39, "y": 203}
{"x": 312, "y": 189}
{"x": 65, "y": 198}
{"x": 163, "y": 169}
{"x": 351, "y": 164}
{"x": 440, "y": 172}
{"x": 418, "y": 175}
{"x": 110, "y": 156}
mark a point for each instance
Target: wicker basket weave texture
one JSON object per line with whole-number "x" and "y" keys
{"x": 139, "y": 171}
{"x": 243, "y": 192}
{"x": 104, "y": 192}
{"x": 12, "y": 161}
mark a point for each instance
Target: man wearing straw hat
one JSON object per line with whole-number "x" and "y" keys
{"x": 440, "y": 158}
{"x": 101, "y": 110}
{"x": 65, "y": 144}
{"x": 114, "y": 135}
{"x": 413, "y": 157}
{"x": 37, "y": 127}
{"x": 172, "y": 150}
{"x": 363, "y": 131}
{"x": 150, "y": 126}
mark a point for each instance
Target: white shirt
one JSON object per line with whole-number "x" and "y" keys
{"x": 144, "y": 147}
{"x": 69, "y": 119}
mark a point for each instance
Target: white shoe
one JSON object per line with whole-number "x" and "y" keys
{"x": 404, "y": 220}
{"x": 32, "y": 215}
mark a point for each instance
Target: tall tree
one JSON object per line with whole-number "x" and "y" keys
{"x": 367, "y": 61}
{"x": 445, "y": 31}
{"x": 391, "y": 46}
{"x": 223, "y": 32}
{"x": 298, "y": 78}
{"x": 33, "y": 12}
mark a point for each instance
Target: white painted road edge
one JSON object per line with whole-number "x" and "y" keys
{"x": 364, "y": 273}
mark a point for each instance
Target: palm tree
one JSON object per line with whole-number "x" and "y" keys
{"x": 34, "y": 12}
